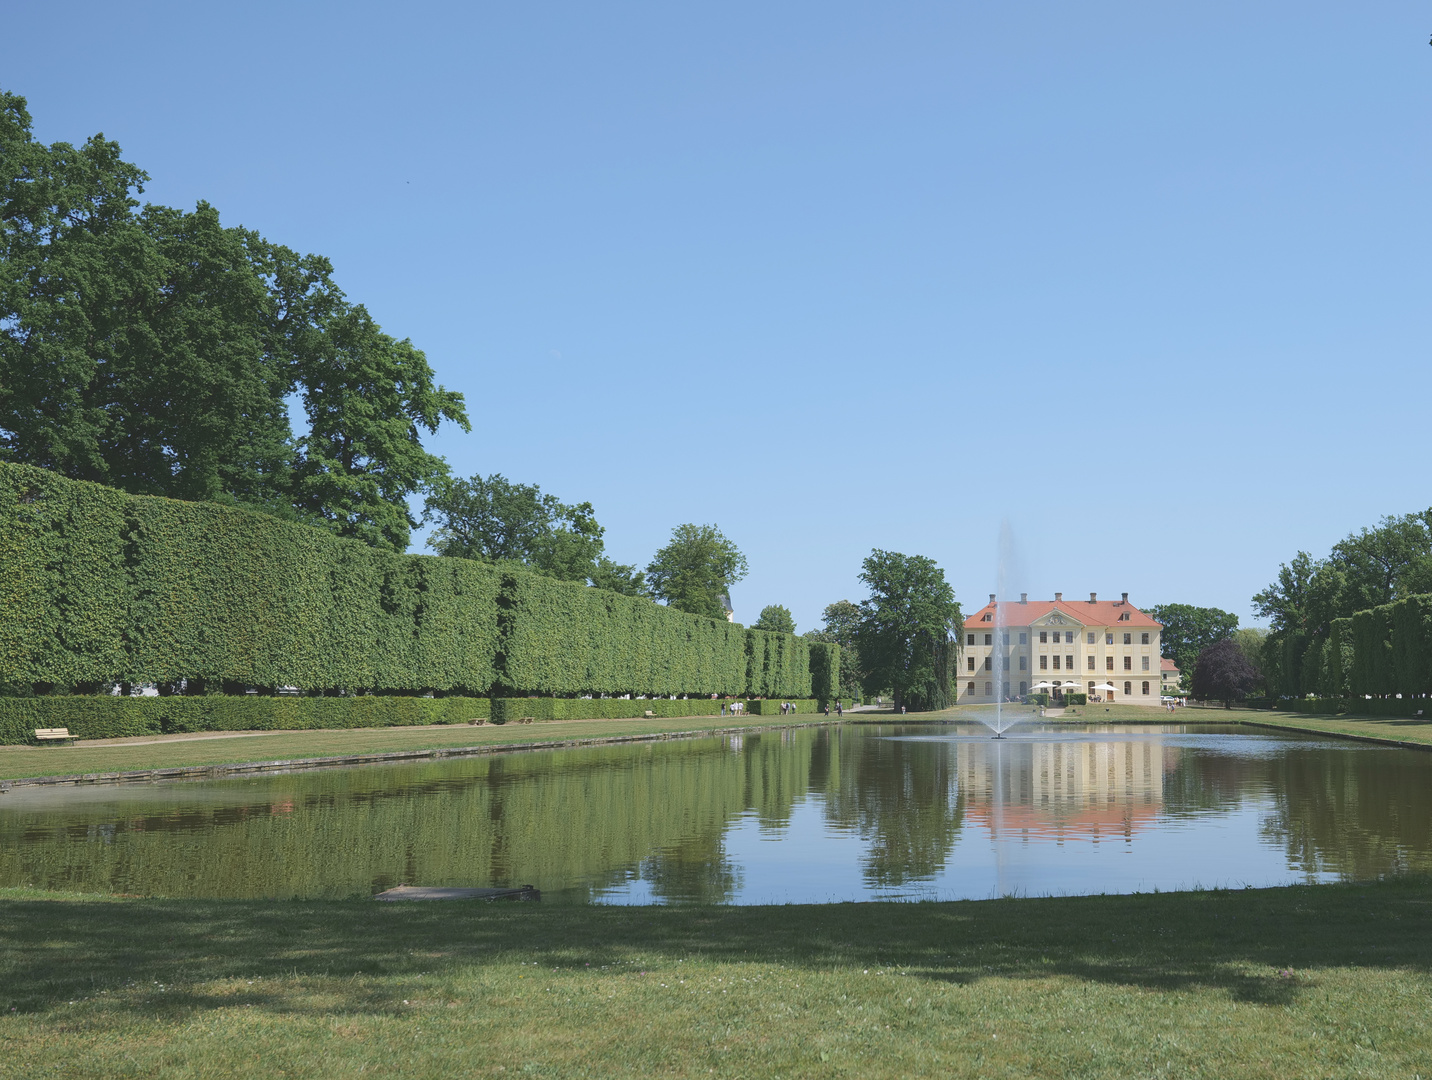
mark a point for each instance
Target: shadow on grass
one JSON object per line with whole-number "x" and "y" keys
{"x": 1263, "y": 946}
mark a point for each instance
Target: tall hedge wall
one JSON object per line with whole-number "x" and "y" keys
{"x": 97, "y": 586}
{"x": 1382, "y": 652}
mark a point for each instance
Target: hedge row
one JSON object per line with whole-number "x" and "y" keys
{"x": 111, "y": 717}
{"x": 510, "y": 709}
{"x": 98, "y": 587}
{"x": 1380, "y": 653}
{"x": 1406, "y": 707}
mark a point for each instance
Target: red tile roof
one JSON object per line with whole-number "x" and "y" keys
{"x": 1168, "y": 665}
{"x": 1097, "y": 613}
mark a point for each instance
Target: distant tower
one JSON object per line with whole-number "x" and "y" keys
{"x": 725, "y": 599}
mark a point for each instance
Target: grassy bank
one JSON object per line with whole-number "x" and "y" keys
{"x": 120, "y": 755}
{"x": 1307, "y": 981}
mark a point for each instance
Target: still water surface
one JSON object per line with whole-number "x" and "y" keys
{"x": 796, "y": 816}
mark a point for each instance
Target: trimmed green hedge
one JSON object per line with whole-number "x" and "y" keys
{"x": 508, "y": 710}
{"x": 110, "y": 717}
{"x": 1360, "y": 706}
{"x": 98, "y": 587}
{"x": 562, "y": 637}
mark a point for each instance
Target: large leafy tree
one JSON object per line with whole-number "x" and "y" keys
{"x": 494, "y": 520}
{"x": 776, "y": 617}
{"x": 840, "y": 623}
{"x": 366, "y": 396}
{"x": 906, "y": 635}
{"x": 153, "y": 349}
{"x": 1222, "y": 672}
{"x": 1188, "y": 630}
{"x": 695, "y": 570}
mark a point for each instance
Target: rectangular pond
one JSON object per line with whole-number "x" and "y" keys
{"x": 859, "y": 812}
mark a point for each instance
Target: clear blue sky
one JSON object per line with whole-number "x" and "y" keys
{"x": 1151, "y": 281}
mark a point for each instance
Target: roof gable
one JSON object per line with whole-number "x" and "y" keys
{"x": 1079, "y": 612}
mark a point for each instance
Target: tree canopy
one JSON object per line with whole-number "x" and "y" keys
{"x": 154, "y": 349}
{"x": 695, "y": 570}
{"x": 841, "y": 622}
{"x": 1188, "y": 630}
{"x": 1223, "y": 673}
{"x": 493, "y": 520}
{"x": 906, "y": 634}
{"x": 776, "y": 617}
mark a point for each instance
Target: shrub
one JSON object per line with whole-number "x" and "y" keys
{"x": 106, "y": 716}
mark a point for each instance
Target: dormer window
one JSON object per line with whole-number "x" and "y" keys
{"x": 1122, "y": 618}
{"x": 988, "y": 617}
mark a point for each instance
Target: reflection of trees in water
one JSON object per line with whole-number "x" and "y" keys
{"x": 1356, "y": 813}
{"x": 580, "y": 819}
{"x": 1209, "y": 782}
{"x": 902, "y": 798}
{"x": 590, "y": 819}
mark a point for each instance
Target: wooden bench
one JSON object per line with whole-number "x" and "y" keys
{"x": 49, "y": 734}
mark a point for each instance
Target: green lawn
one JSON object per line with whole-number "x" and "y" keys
{"x": 118, "y": 755}
{"x": 1307, "y": 981}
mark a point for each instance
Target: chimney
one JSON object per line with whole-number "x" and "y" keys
{"x": 1058, "y": 597}
{"x": 1126, "y": 598}
{"x": 1024, "y": 598}
{"x": 991, "y": 597}
{"x": 1093, "y": 597}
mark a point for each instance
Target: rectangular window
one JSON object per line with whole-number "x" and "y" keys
{"x": 1056, "y": 663}
{"x": 971, "y": 661}
{"x": 989, "y": 689}
{"x": 1146, "y": 637}
{"x": 1128, "y": 663}
{"x": 1069, "y": 662}
{"x": 1128, "y": 689}
{"x": 1024, "y": 639}
{"x": 1091, "y": 688}
{"x": 1108, "y": 639}
{"x": 1108, "y": 663}
{"x": 989, "y": 639}
{"x": 1044, "y": 663}
{"x": 970, "y": 689}
{"x": 1146, "y": 688}
{"x": 969, "y": 639}
{"x": 1128, "y": 639}
{"x": 1091, "y": 663}
{"x": 1006, "y": 690}
{"x": 988, "y": 662}
{"x": 1146, "y": 663}
{"x": 1091, "y": 637}
{"x": 1044, "y": 637}
{"x": 1068, "y": 637}
{"x": 1023, "y": 663}
{"x": 1023, "y": 689}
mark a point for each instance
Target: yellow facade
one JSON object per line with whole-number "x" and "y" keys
{"x": 1094, "y": 644}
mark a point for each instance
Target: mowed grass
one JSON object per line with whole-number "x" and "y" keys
{"x": 1305, "y": 981}
{"x": 120, "y": 755}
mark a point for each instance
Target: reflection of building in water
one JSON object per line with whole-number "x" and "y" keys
{"x": 1065, "y": 790}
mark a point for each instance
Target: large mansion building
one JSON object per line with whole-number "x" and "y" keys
{"x": 1109, "y": 648}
